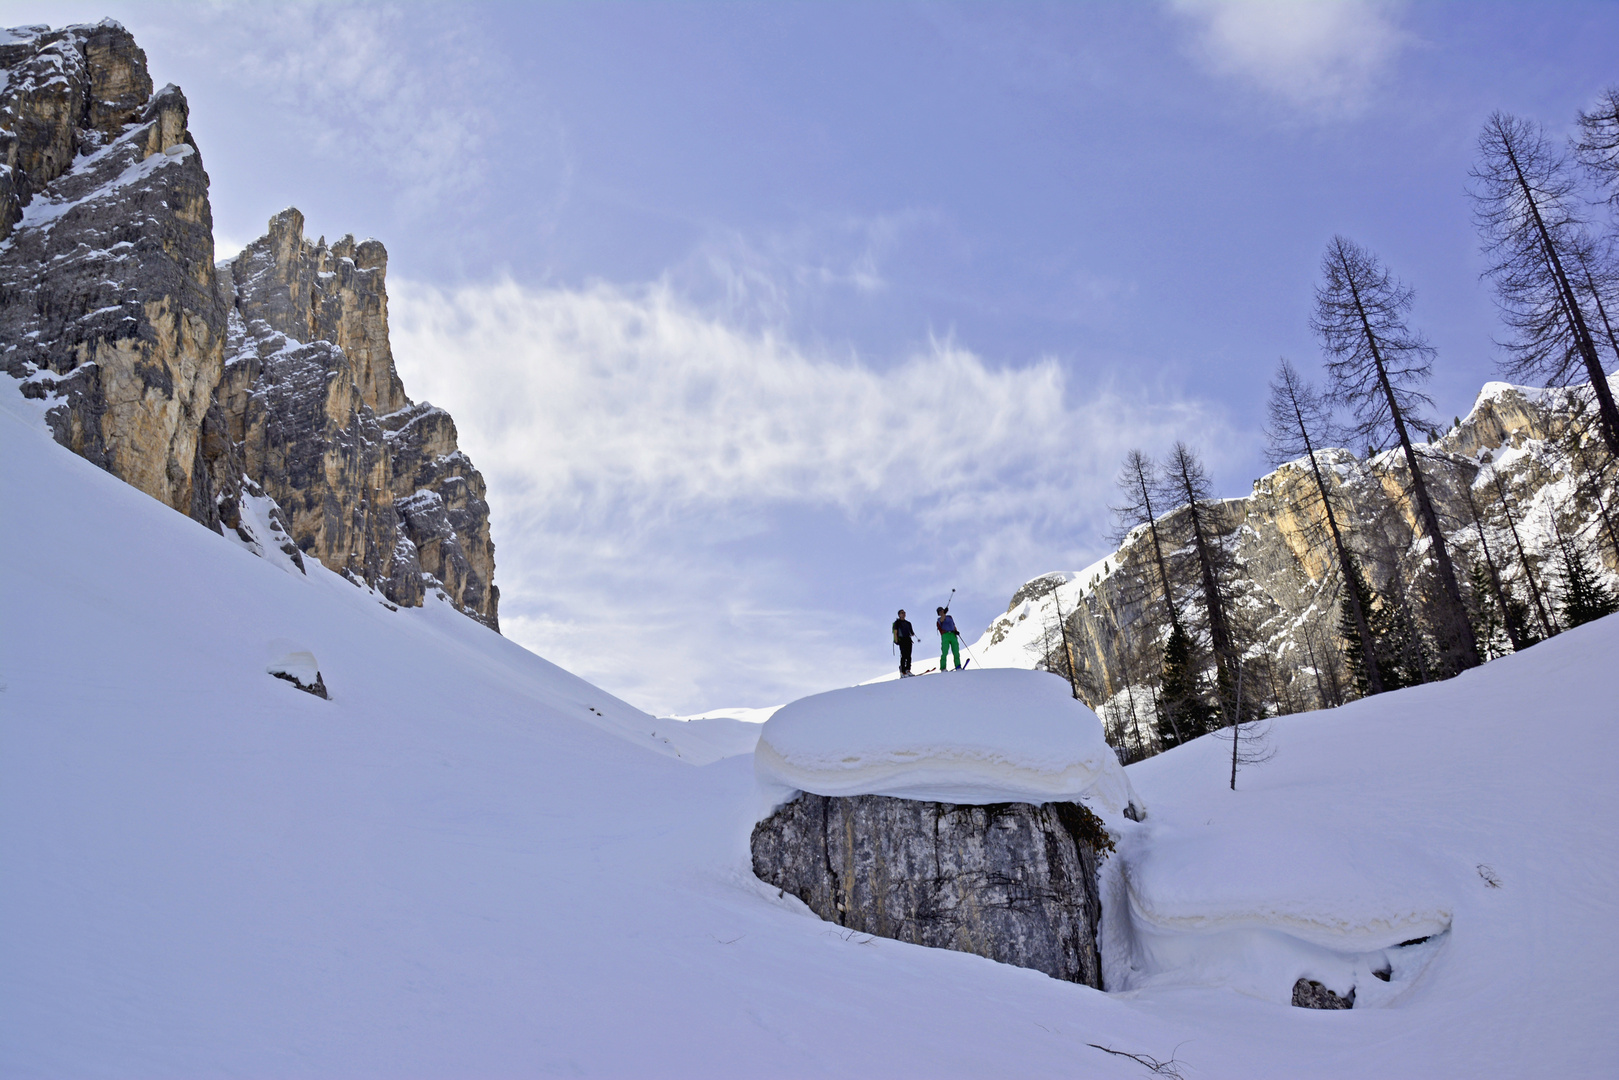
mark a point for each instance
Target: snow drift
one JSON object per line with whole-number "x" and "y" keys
{"x": 969, "y": 737}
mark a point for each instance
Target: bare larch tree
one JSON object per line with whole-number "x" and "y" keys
{"x": 1529, "y": 213}
{"x": 1296, "y": 409}
{"x": 1137, "y": 480}
{"x": 1546, "y": 626}
{"x": 1597, "y": 144}
{"x": 1184, "y": 476}
{"x": 1375, "y": 363}
{"x": 1503, "y": 603}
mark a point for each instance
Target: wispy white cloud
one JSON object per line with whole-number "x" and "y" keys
{"x": 1324, "y": 57}
{"x": 642, "y": 455}
{"x": 360, "y": 83}
{"x": 764, "y": 277}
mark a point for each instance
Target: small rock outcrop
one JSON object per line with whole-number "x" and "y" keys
{"x": 1012, "y": 882}
{"x": 301, "y": 670}
{"x": 258, "y": 397}
{"x": 1309, "y": 994}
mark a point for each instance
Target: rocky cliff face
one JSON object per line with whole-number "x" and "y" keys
{"x": 108, "y": 297}
{"x": 259, "y": 397}
{"x": 370, "y": 483}
{"x": 1286, "y": 589}
{"x": 1011, "y": 882}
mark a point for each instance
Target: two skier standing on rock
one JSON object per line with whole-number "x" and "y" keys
{"x": 949, "y": 639}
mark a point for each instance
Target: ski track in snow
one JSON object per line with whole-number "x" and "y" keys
{"x": 470, "y": 863}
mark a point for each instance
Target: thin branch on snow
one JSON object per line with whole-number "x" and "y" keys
{"x": 1168, "y": 1068}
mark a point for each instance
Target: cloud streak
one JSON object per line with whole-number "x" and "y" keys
{"x": 665, "y": 484}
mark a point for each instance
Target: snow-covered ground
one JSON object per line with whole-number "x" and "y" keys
{"x": 470, "y": 863}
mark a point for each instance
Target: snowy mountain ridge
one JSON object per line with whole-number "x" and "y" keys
{"x": 1286, "y": 588}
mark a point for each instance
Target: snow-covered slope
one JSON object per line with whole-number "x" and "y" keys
{"x": 464, "y": 865}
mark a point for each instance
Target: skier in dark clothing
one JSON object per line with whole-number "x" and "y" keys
{"x": 904, "y": 635}
{"x": 949, "y": 638}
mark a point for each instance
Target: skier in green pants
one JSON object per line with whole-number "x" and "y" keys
{"x": 949, "y": 639}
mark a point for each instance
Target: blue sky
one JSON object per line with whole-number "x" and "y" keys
{"x": 764, "y": 320}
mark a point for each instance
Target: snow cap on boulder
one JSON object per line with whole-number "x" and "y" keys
{"x": 973, "y": 737}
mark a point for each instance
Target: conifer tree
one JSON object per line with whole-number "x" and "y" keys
{"x": 1488, "y": 622}
{"x": 1137, "y": 481}
{"x": 1585, "y": 597}
{"x": 1185, "y": 712}
{"x": 1593, "y": 473}
{"x": 1390, "y": 633}
{"x": 1375, "y": 363}
{"x": 1498, "y": 603}
{"x": 1547, "y": 628}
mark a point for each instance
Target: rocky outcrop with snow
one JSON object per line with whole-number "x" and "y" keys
{"x": 975, "y": 737}
{"x": 373, "y": 485}
{"x": 260, "y": 398}
{"x": 1008, "y": 881}
{"x": 109, "y": 303}
{"x": 1286, "y": 588}
{"x": 951, "y": 811}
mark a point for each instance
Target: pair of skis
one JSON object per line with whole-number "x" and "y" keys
{"x": 936, "y": 671}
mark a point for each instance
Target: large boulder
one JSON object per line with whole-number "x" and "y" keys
{"x": 1008, "y": 881}
{"x": 964, "y": 811}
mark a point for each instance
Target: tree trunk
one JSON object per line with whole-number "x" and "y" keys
{"x": 1460, "y": 629}
{"x": 1158, "y": 553}
{"x": 1528, "y": 571}
{"x": 1374, "y": 682}
{"x": 1219, "y": 631}
{"x": 1495, "y": 577}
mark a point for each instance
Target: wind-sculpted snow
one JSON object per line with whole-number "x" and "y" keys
{"x": 1329, "y": 890}
{"x": 969, "y": 737}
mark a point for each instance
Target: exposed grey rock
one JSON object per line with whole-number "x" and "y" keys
{"x": 112, "y": 309}
{"x": 108, "y": 297}
{"x": 372, "y": 484}
{"x": 442, "y": 506}
{"x": 1012, "y": 882}
{"x": 67, "y": 91}
{"x": 1309, "y": 994}
{"x": 303, "y": 435}
{"x": 1035, "y": 589}
{"x": 318, "y": 687}
{"x": 300, "y": 668}
{"x": 311, "y": 292}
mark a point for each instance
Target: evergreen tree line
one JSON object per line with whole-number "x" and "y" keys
{"x": 1546, "y": 211}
